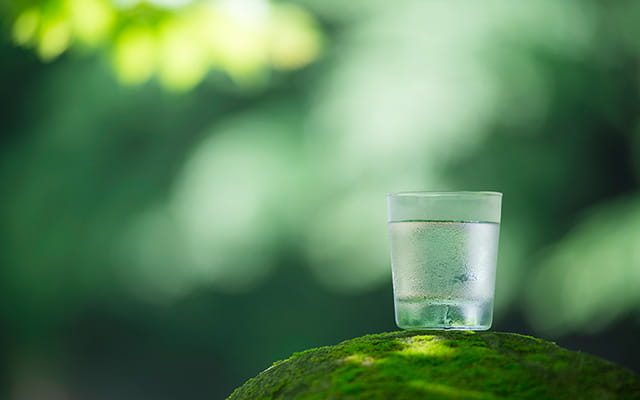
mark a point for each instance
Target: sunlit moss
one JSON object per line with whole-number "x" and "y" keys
{"x": 408, "y": 365}
{"x": 433, "y": 349}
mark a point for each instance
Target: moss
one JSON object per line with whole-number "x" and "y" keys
{"x": 444, "y": 365}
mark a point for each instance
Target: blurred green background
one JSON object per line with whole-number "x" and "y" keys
{"x": 192, "y": 190}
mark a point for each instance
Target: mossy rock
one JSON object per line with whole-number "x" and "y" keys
{"x": 442, "y": 365}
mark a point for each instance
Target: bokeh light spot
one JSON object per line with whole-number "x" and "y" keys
{"x": 295, "y": 40}
{"x": 92, "y": 20}
{"x": 135, "y": 54}
{"x": 55, "y": 35}
{"x": 26, "y": 26}
{"x": 183, "y": 63}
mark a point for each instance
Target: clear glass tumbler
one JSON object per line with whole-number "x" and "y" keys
{"x": 444, "y": 248}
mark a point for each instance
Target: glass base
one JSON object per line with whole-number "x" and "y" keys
{"x": 444, "y": 314}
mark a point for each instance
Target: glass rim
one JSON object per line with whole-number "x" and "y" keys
{"x": 443, "y": 193}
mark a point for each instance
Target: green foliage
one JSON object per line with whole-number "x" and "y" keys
{"x": 178, "y": 41}
{"x": 441, "y": 365}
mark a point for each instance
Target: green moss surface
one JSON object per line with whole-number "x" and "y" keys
{"x": 441, "y": 365}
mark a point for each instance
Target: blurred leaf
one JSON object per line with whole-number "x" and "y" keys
{"x": 180, "y": 41}
{"x": 26, "y": 26}
{"x": 346, "y": 240}
{"x": 92, "y": 20}
{"x": 183, "y": 62}
{"x": 227, "y": 215}
{"x": 296, "y": 41}
{"x": 53, "y": 38}
{"x": 135, "y": 54}
{"x": 591, "y": 277}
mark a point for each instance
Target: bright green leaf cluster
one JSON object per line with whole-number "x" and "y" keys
{"x": 179, "y": 45}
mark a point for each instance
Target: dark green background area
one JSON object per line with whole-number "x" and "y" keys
{"x": 84, "y": 158}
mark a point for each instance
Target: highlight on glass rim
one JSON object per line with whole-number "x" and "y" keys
{"x": 194, "y": 190}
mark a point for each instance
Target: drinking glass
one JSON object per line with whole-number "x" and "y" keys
{"x": 444, "y": 248}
